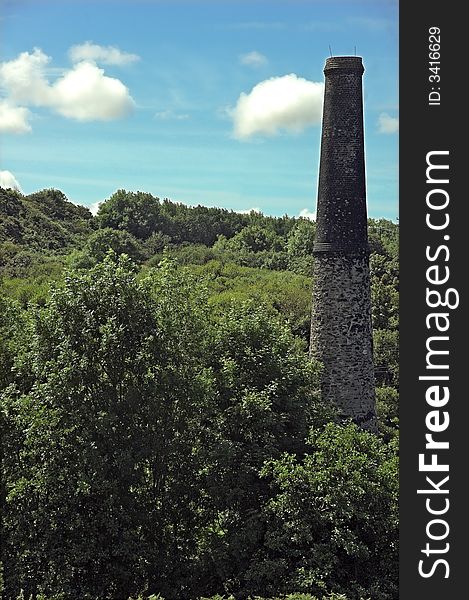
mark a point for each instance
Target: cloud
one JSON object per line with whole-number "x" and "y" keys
{"x": 86, "y": 94}
{"x": 13, "y": 119}
{"x": 83, "y": 93}
{"x": 248, "y": 211}
{"x": 23, "y": 78}
{"x": 8, "y": 180}
{"x": 290, "y": 103}
{"x": 93, "y": 208}
{"x": 166, "y": 115}
{"x": 253, "y": 59}
{"x": 387, "y": 124}
{"x": 107, "y": 55}
{"x": 307, "y": 214}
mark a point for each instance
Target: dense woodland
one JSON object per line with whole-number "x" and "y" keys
{"x": 162, "y": 430}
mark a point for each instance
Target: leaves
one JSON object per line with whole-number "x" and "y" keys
{"x": 108, "y": 430}
{"x": 322, "y": 521}
{"x": 156, "y": 421}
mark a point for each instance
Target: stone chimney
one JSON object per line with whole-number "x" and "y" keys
{"x": 341, "y": 333}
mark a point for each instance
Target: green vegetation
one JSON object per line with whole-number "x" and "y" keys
{"x": 162, "y": 431}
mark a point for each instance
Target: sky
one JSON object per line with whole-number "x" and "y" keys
{"x": 204, "y": 102}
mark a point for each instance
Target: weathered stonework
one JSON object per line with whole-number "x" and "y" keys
{"x": 341, "y": 334}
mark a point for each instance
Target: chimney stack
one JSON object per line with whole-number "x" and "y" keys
{"x": 341, "y": 333}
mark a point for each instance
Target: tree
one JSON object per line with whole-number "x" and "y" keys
{"x": 300, "y": 247}
{"x": 101, "y": 241}
{"x": 102, "y": 485}
{"x": 256, "y": 245}
{"x": 386, "y": 356}
{"x": 138, "y": 213}
{"x": 255, "y": 238}
{"x": 387, "y": 409}
{"x": 384, "y": 305}
{"x": 45, "y": 221}
{"x": 156, "y": 435}
{"x": 14, "y": 331}
{"x": 332, "y": 523}
{"x": 56, "y": 206}
{"x": 266, "y": 399}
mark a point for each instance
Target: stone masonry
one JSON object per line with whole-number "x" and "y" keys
{"x": 341, "y": 334}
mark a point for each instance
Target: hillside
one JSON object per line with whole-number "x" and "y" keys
{"x": 238, "y": 255}
{"x": 163, "y": 426}
{"x": 44, "y": 221}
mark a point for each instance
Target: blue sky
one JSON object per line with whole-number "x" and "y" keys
{"x": 215, "y": 103}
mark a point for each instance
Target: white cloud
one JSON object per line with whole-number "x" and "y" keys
{"x": 387, "y": 124}
{"x": 253, "y": 59}
{"x": 86, "y": 94}
{"x": 248, "y": 211}
{"x": 23, "y": 78}
{"x": 93, "y": 208}
{"x": 8, "y": 180}
{"x": 13, "y": 119}
{"x": 307, "y": 214}
{"x": 167, "y": 115}
{"x": 289, "y": 102}
{"x": 83, "y": 93}
{"x": 107, "y": 55}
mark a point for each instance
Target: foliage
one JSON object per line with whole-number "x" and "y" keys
{"x": 138, "y": 213}
{"x": 384, "y": 274}
{"x": 266, "y": 399}
{"x": 286, "y": 292}
{"x": 333, "y": 523}
{"x": 103, "y": 469}
{"x": 253, "y": 238}
{"x": 386, "y": 356}
{"x": 143, "y": 215}
{"x": 155, "y": 418}
{"x": 101, "y": 241}
{"x": 387, "y": 409}
{"x": 44, "y": 221}
{"x": 300, "y": 247}
{"x": 14, "y": 329}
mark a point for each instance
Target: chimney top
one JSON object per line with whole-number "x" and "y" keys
{"x": 344, "y": 63}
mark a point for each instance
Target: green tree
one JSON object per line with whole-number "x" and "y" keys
{"x": 384, "y": 305}
{"x": 44, "y": 221}
{"x": 13, "y": 325}
{"x": 386, "y": 356}
{"x": 101, "y": 241}
{"x": 387, "y": 409}
{"x": 266, "y": 399}
{"x": 253, "y": 238}
{"x": 383, "y": 237}
{"x": 138, "y": 213}
{"x": 300, "y": 244}
{"x": 101, "y": 483}
{"x": 332, "y": 524}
